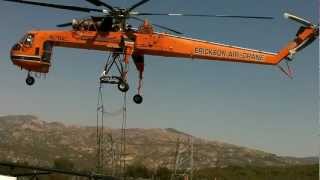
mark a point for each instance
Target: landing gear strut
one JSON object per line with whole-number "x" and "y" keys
{"x": 139, "y": 62}
{"x": 30, "y": 80}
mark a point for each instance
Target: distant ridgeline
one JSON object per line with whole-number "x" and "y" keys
{"x": 33, "y": 141}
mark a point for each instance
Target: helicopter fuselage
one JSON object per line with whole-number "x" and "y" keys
{"x": 34, "y": 51}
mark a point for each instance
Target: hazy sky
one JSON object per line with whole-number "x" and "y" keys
{"x": 249, "y": 105}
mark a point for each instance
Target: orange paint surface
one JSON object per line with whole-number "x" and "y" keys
{"x": 35, "y": 54}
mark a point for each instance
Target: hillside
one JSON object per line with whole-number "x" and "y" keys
{"x": 26, "y": 138}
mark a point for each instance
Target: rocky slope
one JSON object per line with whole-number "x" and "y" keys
{"x": 26, "y": 138}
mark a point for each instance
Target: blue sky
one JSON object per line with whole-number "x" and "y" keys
{"x": 249, "y": 105}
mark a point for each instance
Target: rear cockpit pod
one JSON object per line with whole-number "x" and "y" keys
{"x": 32, "y": 54}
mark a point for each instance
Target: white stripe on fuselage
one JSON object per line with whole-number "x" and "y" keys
{"x": 214, "y": 43}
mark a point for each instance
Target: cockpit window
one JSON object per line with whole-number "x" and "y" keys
{"x": 27, "y": 40}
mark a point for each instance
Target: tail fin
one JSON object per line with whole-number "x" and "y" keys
{"x": 307, "y": 33}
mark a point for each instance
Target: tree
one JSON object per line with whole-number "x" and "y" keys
{"x": 138, "y": 170}
{"x": 62, "y": 164}
{"x": 163, "y": 173}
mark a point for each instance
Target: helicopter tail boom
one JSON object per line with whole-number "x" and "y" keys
{"x": 176, "y": 46}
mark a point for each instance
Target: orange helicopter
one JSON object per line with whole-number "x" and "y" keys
{"x": 111, "y": 33}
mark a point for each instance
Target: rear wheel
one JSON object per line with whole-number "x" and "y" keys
{"x": 138, "y": 99}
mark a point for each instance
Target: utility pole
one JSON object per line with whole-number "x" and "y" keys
{"x": 184, "y": 159}
{"x": 176, "y": 160}
{"x": 191, "y": 157}
{"x": 100, "y": 129}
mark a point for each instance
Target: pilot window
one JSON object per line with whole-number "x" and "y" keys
{"x": 27, "y": 40}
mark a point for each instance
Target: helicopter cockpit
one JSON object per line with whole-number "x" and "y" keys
{"x": 31, "y": 55}
{"x": 26, "y": 41}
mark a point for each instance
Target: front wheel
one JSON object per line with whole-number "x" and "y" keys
{"x": 30, "y": 80}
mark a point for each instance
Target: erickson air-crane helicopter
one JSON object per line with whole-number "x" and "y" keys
{"x": 110, "y": 32}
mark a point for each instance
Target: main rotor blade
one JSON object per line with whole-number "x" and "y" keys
{"x": 137, "y": 5}
{"x": 297, "y": 19}
{"x": 159, "y": 26}
{"x": 64, "y": 25}
{"x": 201, "y": 15}
{"x": 57, "y": 6}
{"x": 100, "y": 3}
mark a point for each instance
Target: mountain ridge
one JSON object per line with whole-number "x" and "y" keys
{"x": 30, "y": 139}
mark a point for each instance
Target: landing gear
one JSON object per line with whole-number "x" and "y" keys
{"x": 30, "y": 80}
{"x": 137, "y": 99}
{"x": 115, "y": 63}
{"x": 116, "y": 70}
{"x": 139, "y": 62}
